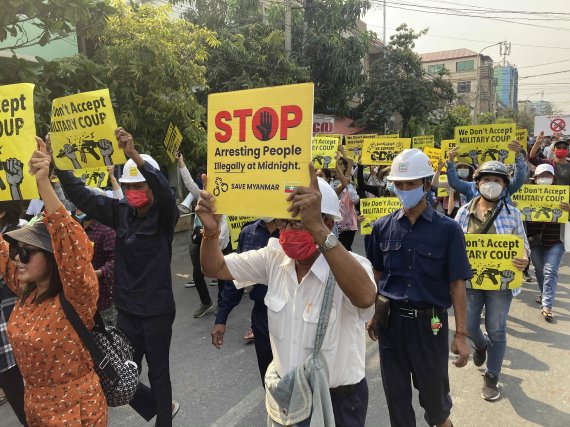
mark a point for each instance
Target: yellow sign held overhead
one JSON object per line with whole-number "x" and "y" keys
{"x": 490, "y": 256}
{"x": 82, "y": 131}
{"x": 376, "y": 208}
{"x": 441, "y": 189}
{"x": 93, "y": 177}
{"x": 382, "y": 151}
{"x": 522, "y": 137}
{"x": 476, "y": 154}
{"x": 485, "y": 134}
{"x": 423, "y": 141}
{"x": 17, "y": 142}
{"x": 259, "y": 147}
{"x": 353, "y": 144}
{"x": 434, "y": 155}
{"x": 324, "y": 150}
{"x": 172, "y": 141}
{"x": 541, "y": 203}
{"x": 235, "y": 224}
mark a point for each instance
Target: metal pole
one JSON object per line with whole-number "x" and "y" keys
{"x": 288, "y": 27}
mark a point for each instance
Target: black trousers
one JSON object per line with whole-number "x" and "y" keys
{"x": 197, "y": 274}
{"x": 409, "y": 348}
{"x": 260, "y": 326}
{"x": 350, "y": 409}
{"x": 346, "y": 238}
{"x": 150, "y": 336}
{"x": 13, "y": 385}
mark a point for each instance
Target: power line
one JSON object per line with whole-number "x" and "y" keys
{"x": 545, "y": 74}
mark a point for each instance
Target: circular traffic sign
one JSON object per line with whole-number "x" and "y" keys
{"x": 558, "y": 125}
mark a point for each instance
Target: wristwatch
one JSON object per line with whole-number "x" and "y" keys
{"x": 330, "y": 242}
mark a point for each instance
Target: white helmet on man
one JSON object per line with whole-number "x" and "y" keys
{"x": 131, "y": 173}
{"x": 329, "y": 200}
{"x": 410, "y": 164}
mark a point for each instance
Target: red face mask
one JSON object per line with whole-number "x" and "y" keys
{"x": 137, "y": 198}
{"x": 561, "y": 153}
{"x": 297, "y": 244}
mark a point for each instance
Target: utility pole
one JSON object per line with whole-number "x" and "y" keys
{"x": 288, "y": 27}
{"x": 478, "y": 88}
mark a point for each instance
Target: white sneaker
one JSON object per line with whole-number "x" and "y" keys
{"x": 214, "y": 282}
{"x": 190, "y": 284}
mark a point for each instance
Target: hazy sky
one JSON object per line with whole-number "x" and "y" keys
{"x": 550, "y": 32}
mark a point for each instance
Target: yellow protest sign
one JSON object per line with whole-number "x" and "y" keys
{"x": 235, "y": 224}
{"x": 476, "y": 154}
{"x": 442, "y": 189}
{"x": 259, "y": 147}
{"x": 541, "y": 203}
{"x": 423, "y": 141}
{"x": 93, "y": 177}
{"x": 381, "y": 151}
{"x": 522, "y": 136}
{"x": 446, "y": 145}
{"x": 17, "y": 141}
{"x": 337, "y": 136}
{"x": 82, "y": 131}
{"x": 172, "y": 141}
{"x": 376, "y": 208}
{"x": 490, "y": 256}
{"x": 324, "y": 151}
{"x": 390, "y": 135}
{"x": 353, "y": 144}
{"x": 478, "y": 134}
{"x": 434, "y": 155}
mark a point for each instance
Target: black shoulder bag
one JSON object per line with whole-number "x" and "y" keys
{"x": 112, "y": 355}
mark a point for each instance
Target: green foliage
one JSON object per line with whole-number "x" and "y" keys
{"x": 458, "y": 115}
{"x": 399, "y": 84}
{"x": 51, "y": 19}
{"x": 486, "y": 118}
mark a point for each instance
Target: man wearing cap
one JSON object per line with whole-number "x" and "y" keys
{"x": 560, "y": 161}
{"x": 419, "y": 258}
{"x": 296, "y": 270}
{"x": 144, "y": 224}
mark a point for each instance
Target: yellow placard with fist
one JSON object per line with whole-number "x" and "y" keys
{"x": 541, "y": 203}
{"x": 82, "y": 131}
{"x": 93, "y": 177}
{"x": 323, "y": 152}
{"x": 490, "y": 256}
{"x": 17, "y": 142}
{"x": 382, "y": 151}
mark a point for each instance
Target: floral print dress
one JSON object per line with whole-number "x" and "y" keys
{"x": 61, "y": 386}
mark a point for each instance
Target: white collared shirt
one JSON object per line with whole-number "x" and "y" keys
{"x": 293, "y": 311}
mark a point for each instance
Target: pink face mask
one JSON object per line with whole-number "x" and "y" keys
{"x": 137, "y": 198}
{"x": 297, "y": 244}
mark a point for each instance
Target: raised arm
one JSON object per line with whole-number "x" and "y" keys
{"x": 117, "y": 191}
{"x": 8, "y": 267}
{"x": 534, "y": 150}
{"x": 361, "y": 185}
{"x": 187, "y": 178}
{"x": 521, "y": 174}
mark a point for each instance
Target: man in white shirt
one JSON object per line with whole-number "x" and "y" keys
{"x": 296, "y": 268}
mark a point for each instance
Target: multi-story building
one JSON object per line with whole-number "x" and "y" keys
{"x": 470, "y": 73}
{"x": 507, "y": 86}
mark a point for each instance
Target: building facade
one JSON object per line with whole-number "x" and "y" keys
{"x": 507, "y": 86}
{"x": 470, "y": 73}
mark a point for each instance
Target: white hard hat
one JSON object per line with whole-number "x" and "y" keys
{"x": 543, "y": 168}
{"x": 131, "y": 172}
{"x": 329, "y": 200}
{"x": 410, "y": 164}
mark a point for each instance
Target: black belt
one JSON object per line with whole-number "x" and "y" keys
{"x": 345, "y": 390}
{"x": 413, "y": 313}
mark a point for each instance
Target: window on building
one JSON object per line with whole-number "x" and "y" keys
{"x": 463, "y": 87}
{"x": 435, "y": 68}
{"x": 461, "y": 66}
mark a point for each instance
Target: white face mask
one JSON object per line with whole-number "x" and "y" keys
{"x": 490, "y": 190}
{"x": 266, "y": 219}
{"x": 544, "y": 181}
{"x": 463, "y": 173}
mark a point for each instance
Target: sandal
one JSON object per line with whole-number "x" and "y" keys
{"x": 547, "y": 315}
{"x": 249, "y": 336}
{"x": 538, "y": 299}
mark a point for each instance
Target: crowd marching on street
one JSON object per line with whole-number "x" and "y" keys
{"x": 105, "y": 256}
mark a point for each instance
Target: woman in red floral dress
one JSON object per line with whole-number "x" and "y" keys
{"x": 46, "y": 257}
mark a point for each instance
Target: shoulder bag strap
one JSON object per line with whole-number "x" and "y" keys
{"x": 491, "y": 220}
{"x": 324, "y": 314}
{"x": 99, "y": 358}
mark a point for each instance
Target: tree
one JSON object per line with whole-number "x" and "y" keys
{"x": 399, "y": 84}
{"x": 486, "y": 118}
{"x": 25, "y": 23}
{"x": 458, "y": 115}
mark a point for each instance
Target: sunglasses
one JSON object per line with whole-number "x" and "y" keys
{"x": 294, "y": 224}
{"x": 23, "y": 252}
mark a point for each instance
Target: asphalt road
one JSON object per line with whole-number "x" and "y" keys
{"x": 222, "y": 388}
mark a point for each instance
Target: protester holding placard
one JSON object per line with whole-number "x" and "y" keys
{"x": 144, "y": 223}
{"x": 469, "y": 189}
{"x": 297, "y": 269}
{"x": 454, "y": 200}
{"x": 560, "y": 161}
{"x": 48, "y": 258}
{"x": 546, "y": 247}
{"x": 490, "y": 214}
{"x": 420, "y": 263}
{"x": 348, "y": 225}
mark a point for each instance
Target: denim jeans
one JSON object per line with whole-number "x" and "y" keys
{"x": 497, "y": 304}
{"x": 546, "y": 261}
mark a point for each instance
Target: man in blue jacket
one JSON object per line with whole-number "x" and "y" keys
{"x": 144, "y": 224}
{"x": 469, "y": 189}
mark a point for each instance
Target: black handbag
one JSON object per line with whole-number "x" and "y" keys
{"x": 112, "y": 355}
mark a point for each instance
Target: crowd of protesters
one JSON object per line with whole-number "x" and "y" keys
{"x": 111, "y": 252}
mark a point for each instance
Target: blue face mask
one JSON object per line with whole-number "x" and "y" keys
{"x": 390, "y": 186}
{"x": 410, "y": 198}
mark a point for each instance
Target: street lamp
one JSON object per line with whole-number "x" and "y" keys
{"x": 477, "y": 100}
